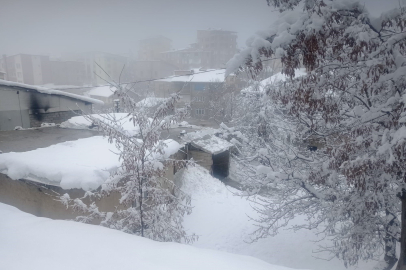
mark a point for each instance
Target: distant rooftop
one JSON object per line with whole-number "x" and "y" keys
{"x": 102, "y": 91}
{"x": 210, "y": 75}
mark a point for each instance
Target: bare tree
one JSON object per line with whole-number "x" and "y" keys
{"x": 151, "y": 205}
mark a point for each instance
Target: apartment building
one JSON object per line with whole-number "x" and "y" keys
{"x": 150, "y": 48}
{"x": 221, "y": 44}
{"x": 67, "y": 73}
{"x": 25, "y": 68}
{"x": 213, "y": 49}
{"x": 206, "y": 92}
{"x": 100, "y": 67}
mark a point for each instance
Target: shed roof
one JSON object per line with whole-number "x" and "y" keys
{"x": 211, "y": 144}
{"x": 102, "y": 91}
{"x": 43, "y": 90}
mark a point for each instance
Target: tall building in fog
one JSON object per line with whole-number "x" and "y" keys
{"x": 25, "y": 68}
{"x": 221, "y": 44}
{"x": 100, "y": 67}
{"x": 213, "y": 48}
{"x": 40, "y": 69}
{"x": 150, "y": 48}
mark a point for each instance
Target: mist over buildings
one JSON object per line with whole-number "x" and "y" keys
{"x": 58, "y": 42}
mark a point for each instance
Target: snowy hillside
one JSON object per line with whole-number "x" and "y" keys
{"x": 29, "y": 242}
{"x": 221, "y": 220}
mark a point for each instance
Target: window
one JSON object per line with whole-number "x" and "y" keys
{"x": 199, "y": 111}
{"x": 199, "y": 99}
{"x": 199, "y": 86}
{"x": 18, "y": 65}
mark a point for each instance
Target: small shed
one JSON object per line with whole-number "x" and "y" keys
{"x": 30, "y": 106}
{"x": 212, "y": 153}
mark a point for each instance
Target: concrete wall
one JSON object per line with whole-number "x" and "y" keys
{"x": 39, "y": 199}
{"x": 53, "y": 117}
{"x": 202, "y": 158}
{"x": 21, "y": 107}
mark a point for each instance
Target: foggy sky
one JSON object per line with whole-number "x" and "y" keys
{"x": 116, "y": 26}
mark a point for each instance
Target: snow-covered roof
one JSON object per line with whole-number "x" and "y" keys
{"x": 210, "y": 75}
{"x": 43, "y": 90}
{"x": 278, "y": 77}
{"x": 150, "y": 102}
{"x": 206, "y": 140}
{"x": 120, "y": 119}
{"x": 102, "y": 91}
{"x": 84, "y": 163}
{"x": 212, "y": 144}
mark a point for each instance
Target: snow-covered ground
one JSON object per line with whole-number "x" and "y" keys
{"x": 221, "y": 220}
{"x": 29, "y": 242}
{"x": 219, "y": 217}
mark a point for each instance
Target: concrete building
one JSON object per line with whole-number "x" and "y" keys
{"x": 213, "y": 49}
{"x": 200, "y": 89}
{"x": 25, "y": 68}
{"x": 188, "y": 58}
{"x": 212, "y": 153}
{"x": 66, "y": 73}
{"x": 100, "y": 66}
{"x": 221, "y": 44}
{"x": 40, "y": 70}
{"x": 150, "y": 69}
{"x": 150, "y": 48}
{"x": 30, "y": 106}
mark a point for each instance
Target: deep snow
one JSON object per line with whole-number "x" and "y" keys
{"x": 29, "y": 242}
{"x": 221, "y": 220}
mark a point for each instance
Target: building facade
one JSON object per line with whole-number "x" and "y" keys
{"x": 29, "y": 106}
{"x": 100, "y": 67}
{"x": 207, "y": 93}
{"x": 213, "y": 49}
{"x": 25, "y": 68}
{"x": 150, "y": 48}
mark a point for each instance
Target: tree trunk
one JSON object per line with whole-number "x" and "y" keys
{"x": 141, "y": 213}
{"x": 402, "y": 257}
{"x": 390, "y": 258}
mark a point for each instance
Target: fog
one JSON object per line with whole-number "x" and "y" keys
{"x": 51, "y": 27}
